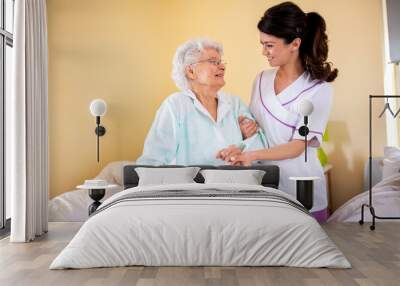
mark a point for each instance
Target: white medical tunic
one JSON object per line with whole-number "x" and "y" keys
{"x": 184, "y": 132}
{"x": 279, "y": 117}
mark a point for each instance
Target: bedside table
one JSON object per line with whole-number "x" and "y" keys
{"x": 96, "y": 194}
{"x": 327, "y": 172}
{"x": 305, "y": 190}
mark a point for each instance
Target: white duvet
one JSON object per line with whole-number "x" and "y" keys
{"x": 385, "y": 199}
{"x": 200, "y": 231}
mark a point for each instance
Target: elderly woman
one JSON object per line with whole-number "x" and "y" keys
{"x": 192, "y": 125}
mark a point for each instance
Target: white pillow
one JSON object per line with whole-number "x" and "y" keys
{"x": 391, "y": 161}
{"x": 248, "y": 177}
{"x": 165, "y": 176}
{"x": 113, "y": 172}
{"x": 391, "y": 152}
{"x": 390, "y": 167}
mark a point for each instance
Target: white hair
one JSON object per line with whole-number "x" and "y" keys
{"x": 187, "y": 54}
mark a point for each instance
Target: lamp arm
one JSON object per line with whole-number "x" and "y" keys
{"x": 98, "y": 147}
{"x": 303, "y": 131}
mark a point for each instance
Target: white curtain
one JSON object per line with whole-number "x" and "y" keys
{"x": 27, "y": 121}
{"x": 389, "y": 81}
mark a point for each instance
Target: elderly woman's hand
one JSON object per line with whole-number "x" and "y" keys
{"x": 243, "y": 159}
{"x": 226, "y": 153}
{"x": 248, "y": 127}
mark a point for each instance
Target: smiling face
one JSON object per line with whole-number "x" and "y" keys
{"x": 277, "y": 51}
{"x": 208, "y": 71}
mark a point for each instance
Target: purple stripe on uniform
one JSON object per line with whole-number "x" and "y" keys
{"x": 321, "y": 216}
{"x": 276, "y": 118}
{"x": 302, "y": 93}
{"x": 270, "y": 113}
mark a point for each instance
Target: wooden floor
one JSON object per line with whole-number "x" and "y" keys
{"x": 375, "y": 257}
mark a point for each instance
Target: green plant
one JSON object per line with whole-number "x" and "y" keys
{"x": 322, "y": 156}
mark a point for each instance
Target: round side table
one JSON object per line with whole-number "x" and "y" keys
{"x": 96, "y": 194}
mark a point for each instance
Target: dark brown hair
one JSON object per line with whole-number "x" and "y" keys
{"x": 288, "y": 21}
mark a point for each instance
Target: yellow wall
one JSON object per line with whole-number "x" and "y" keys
{"x": 121, "y": 51}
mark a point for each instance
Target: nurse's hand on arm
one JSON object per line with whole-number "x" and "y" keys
{"x": 248, "y": 127}
{"x": 289, "y": 150}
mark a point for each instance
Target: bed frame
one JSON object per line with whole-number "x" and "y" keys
{"x": 270, "y": 179}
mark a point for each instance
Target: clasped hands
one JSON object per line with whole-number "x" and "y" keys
{"x": 233, "y": 154}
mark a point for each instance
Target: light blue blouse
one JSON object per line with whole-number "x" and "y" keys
{"x": 184, "y": 132}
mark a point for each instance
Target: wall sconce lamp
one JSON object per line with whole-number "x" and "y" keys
{"x": 98, "y": 108}
{"x": 305, "y": 185}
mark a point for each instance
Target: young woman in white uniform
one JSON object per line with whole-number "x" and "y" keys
{"x": 295, "y": 45}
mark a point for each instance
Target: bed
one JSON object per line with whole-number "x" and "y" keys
{"x": 72, "y": 206}
{"x": 201, "y": 224}
{"x": 386, "y": 196}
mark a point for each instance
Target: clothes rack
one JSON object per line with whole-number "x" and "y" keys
{"x": 370, "y": 205}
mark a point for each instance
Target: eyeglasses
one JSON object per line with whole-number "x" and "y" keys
{"x": 212, "y": 61}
